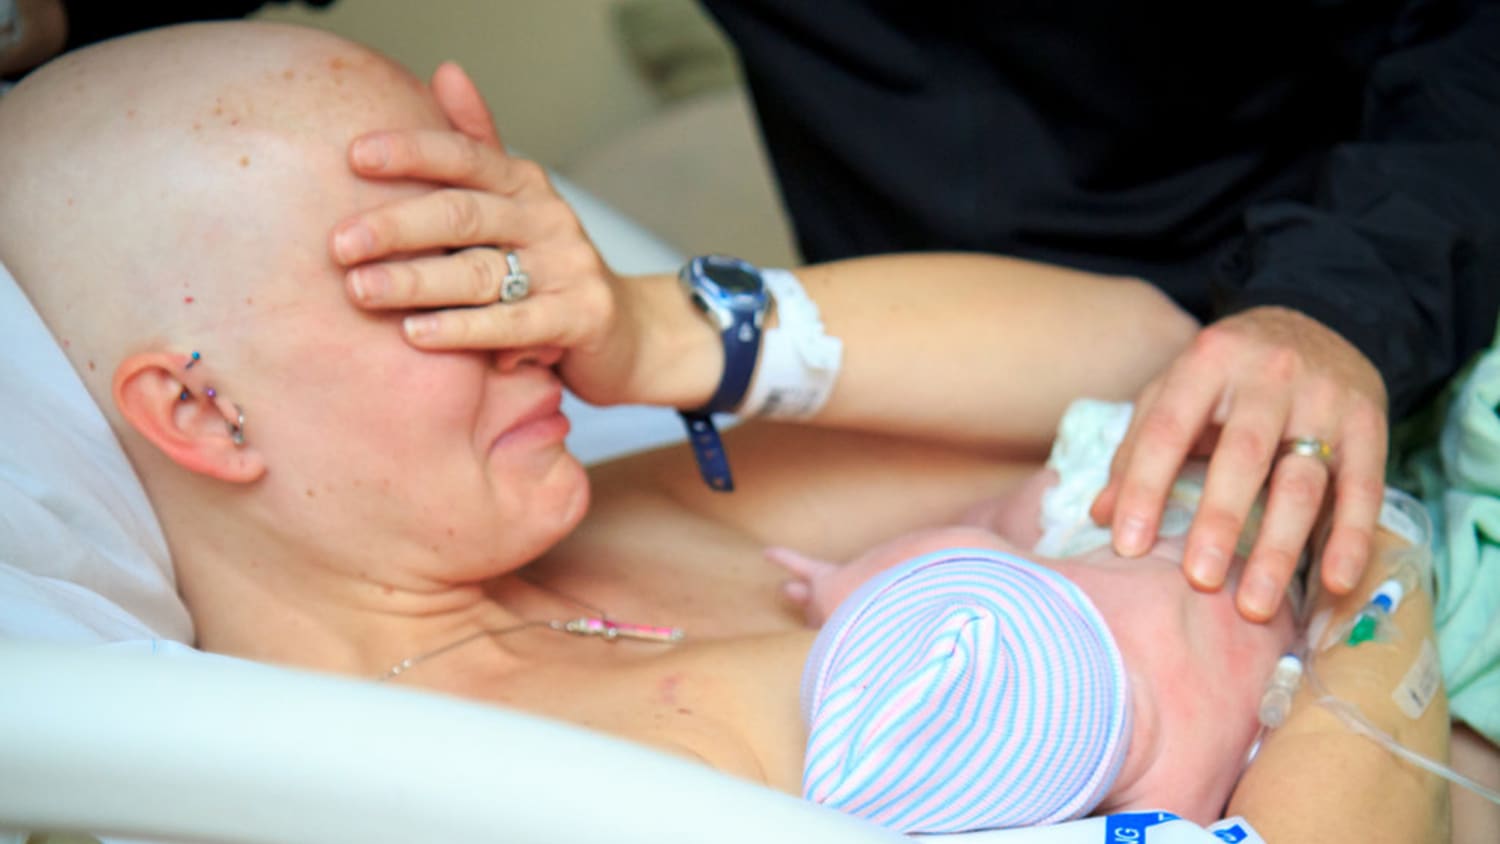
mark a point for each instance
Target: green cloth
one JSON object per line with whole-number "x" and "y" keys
{"x": 1457, "y": 476}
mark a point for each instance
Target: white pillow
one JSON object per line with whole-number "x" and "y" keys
{"x": 82, "y": 556}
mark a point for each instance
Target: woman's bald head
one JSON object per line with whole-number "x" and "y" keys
{"x": 158, "y": 184}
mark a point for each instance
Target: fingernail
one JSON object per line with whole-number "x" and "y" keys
{"x": 1257, "y": 596}
{"x": 1133, "y": 537}
{"x": 1099, "y": 509}
{"x": 371, "y": 153}
{"x": 370, "y": 284}
{"x": 353, "y": 243}
{"x": 1206, "y": 568}
{"x": 419, "y": 327}
{"x": 1341, "y": 576}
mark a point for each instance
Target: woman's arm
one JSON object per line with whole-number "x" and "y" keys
{"x": 971, "y": 350}
{"x": 1317, "y": 780}
{"x": 964, "y": 349}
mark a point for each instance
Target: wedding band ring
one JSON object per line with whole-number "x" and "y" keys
{"x": 1312, "y": 447}
{"x": 516, "y": 283}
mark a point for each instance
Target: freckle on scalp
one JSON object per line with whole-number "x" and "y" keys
{"x": 244, "y": 161}
{"x": 91, "y": 366}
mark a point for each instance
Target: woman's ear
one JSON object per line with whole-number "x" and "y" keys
{"x": 190, "y": 423}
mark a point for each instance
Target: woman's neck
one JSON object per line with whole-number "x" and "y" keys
{"x": 252, "y": 598}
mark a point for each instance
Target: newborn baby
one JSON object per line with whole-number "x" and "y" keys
{"x": 963, "y": 682}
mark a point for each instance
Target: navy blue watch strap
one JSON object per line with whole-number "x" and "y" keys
{"x": 713, "y": 463}
{"x": 733, "y": 295}
{"x": 741, "y": 348}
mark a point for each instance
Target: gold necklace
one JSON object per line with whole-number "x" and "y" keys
{"x": 599, "y": 625}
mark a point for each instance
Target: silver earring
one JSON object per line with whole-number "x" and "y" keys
{"x": 237, "y": 427}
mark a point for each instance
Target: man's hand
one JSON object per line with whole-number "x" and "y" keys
{"x": 1249, "y": 384}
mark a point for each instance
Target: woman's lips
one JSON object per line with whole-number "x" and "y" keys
{"x": 542, "y": 425}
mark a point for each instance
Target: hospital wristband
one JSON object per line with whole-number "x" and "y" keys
{"x": 799, "y": 362}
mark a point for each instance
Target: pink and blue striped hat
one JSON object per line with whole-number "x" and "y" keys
{"x": 965, "y": 689}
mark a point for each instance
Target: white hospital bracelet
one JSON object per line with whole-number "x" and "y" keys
{"x": 798, "y": 363}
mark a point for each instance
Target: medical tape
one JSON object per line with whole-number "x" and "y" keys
{"x": 1420, "y": 684}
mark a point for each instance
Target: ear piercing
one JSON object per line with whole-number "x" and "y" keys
{"x": 192, "y": 361}
{"x": 237, "y": 427}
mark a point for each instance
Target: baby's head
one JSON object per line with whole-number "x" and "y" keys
{"x": 1195, "y": 667}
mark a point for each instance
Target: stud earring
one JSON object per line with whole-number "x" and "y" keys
{"x": 237, "y": 427}
{"x": 195, "y": 358}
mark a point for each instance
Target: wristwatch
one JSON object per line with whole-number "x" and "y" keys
{"x": 732, "y": 294}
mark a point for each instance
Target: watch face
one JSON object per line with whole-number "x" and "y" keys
{"x": 733, "y": 279}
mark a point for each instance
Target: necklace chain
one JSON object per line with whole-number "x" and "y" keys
{"x": 598, "y": 626}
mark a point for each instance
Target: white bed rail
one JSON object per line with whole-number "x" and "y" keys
{"x": 212, "y": 749}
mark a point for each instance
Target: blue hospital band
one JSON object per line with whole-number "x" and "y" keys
{"x": 965, "y": 689}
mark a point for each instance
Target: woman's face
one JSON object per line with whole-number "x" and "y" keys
{"x": 393, "y": 453}
{"x": 414, "y": 468}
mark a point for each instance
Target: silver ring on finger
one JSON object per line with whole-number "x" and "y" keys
{"x": 516, "y": 284}
{"x": 1317, "y": 449}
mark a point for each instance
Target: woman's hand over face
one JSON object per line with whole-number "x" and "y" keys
{"x": 444, "y": 253}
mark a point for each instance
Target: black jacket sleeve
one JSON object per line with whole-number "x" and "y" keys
{"x": 1399, "y": 251}
{"x": 96, "y": 20}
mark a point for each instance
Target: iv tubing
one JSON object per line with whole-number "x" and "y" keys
{"x": 1357, "y": 722}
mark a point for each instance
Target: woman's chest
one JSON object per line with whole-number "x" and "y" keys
{"x": 666, "y": 569}
{"x": 731, "y": 704}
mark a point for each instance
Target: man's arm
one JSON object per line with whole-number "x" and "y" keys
{"x": 31, "y": 31}
{"x": 1362, "y": 297}
{"x": 1317, "y": 780}
{"x": 1398, "y": 250}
